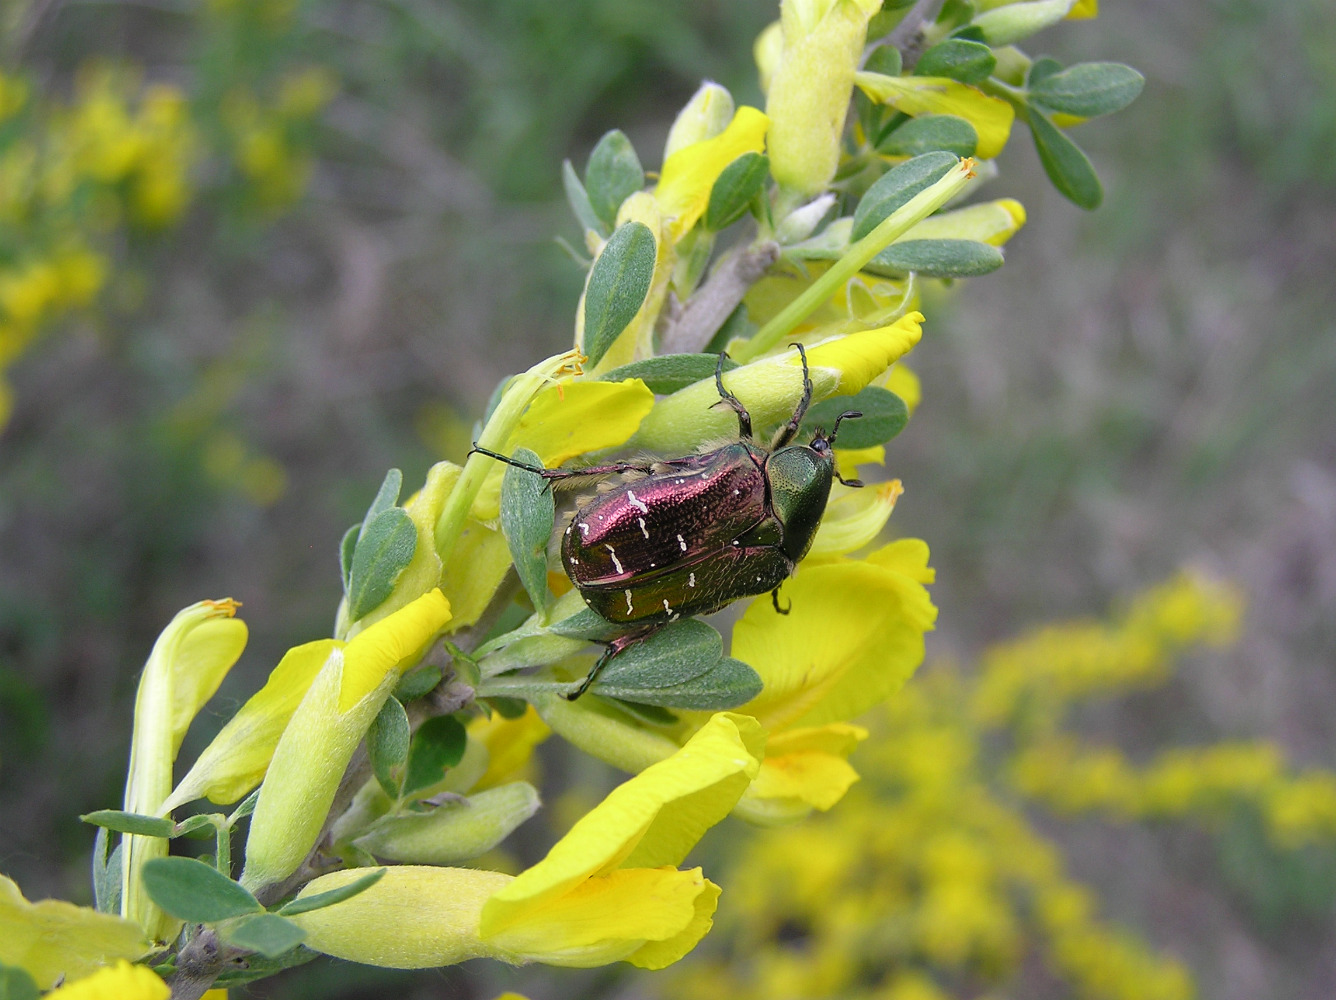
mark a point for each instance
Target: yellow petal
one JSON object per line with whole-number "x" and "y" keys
{"x": 689, "y": 174}
{"x": 660, "y": 954}
{"x": 932, "y": 95}
{"x": 415, "y": 917}
{"x": 205, "y": 655}
{"x": 653, "y": 819}
{"x": 991, "y": 222}
{"x": 236, "y": 760}
{"x": 904, "y": 383}
{"x": 1083, "y": 9}
{"x": 477, "y": 565}
{"x": 509, "y": 744}
{"x": 387, "y": 646}
{"x": 607, "y": 918}
{"x": 771, "y": 387}
{"x": 854, "y": 635}
{"x": 707, "y": 114}
{"x": 804, "y": 769}
{"x": 854, "y": 517}
{"x": 53, "y": 938}
{"x": 908, "y": 556}
{"x": 121, "y": 981}
{"x": 847, "y": 460}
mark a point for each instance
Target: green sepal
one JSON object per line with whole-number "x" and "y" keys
{"x": 896, "y": 187}
{"x": 1065, "y": 163}
{"x": 265, "y": 934}
{"x": 735, "y": 190}
{"x": 1087, "y": 90}
{"x": 927, "y": 133}
{"x": 618, "y": 285}
{"x": 387, "y": 742}
{"x": 958, "y": 58}
{"x": 884, "y": 416}
{"x": 437, "y": 746}
{"x": 613, "y": 174}
{"x": 527, "y": 514}
{"x": 322, "y": 899}
{"x": 195, "y": 892}
{"x": 667, "y": 373}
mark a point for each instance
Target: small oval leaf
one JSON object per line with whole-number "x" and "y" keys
{"x": 346, "y": 549}
{"x": 667, "y": 373}
{"x": 1088, "y": 90}
{"x": 884, "y": 416}
{"x": 957, "y": 58}
{"x": 618, "y": 285}
{"x": 128, "y": 822}
{"x": 437, "y": 746}
{"x": 527, "y": 514}
{"x": 387, "y": 744}
{"x": 385, "y": 548}
{"x": 614, "y": 173}
{"x": 16, "y": 984}
{"x": 322, "y": 899}
{"x": 578, "y": 198}
{"x": 927, "y": 133}
{"x": 737, "y": 187}
{"x": 1067, "y": 166}
{"x": 897, "y": 186}
{"x": 937, "y": 258}
{"x": 674, "y": 654}
{"x": 195, "y": 892}
{"x": 266, "y": 934}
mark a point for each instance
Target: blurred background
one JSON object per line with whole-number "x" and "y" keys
{"x": 278, "y": 247}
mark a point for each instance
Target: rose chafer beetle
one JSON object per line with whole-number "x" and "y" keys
{"x": 691, "y": 535}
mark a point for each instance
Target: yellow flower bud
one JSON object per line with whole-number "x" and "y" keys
{"x": 706, "y": 115}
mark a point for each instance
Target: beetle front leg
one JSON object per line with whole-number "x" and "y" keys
{"x": 774, "y": 597}
{"x": 732, "y": 401}
{"x": 614, "y": 647}
{"x": 790, "y": 430}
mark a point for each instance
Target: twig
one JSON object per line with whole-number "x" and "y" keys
{"x": 907, "y": 36}
{"x": 706, "y": 311}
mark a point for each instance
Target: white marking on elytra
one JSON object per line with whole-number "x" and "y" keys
{"x": 682, "y": 542}
{"x": 637, "y": 503}
{"x": 758, "y": 579}
{"x": 643, "y": 530}
{"x": 584, "y": 528}
{"x": 691, "y": 580}
{"x": 737, "y": 493}
{"x": 615, "y": 561}
{"x": 735, "y": 543}
{"x": 629, "y": 610}
{"x": 666, "y": 606}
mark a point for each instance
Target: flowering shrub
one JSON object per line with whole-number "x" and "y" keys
{"x": 374, "y": 765}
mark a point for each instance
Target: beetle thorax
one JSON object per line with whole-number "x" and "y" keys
{"x": 800, "y": 478}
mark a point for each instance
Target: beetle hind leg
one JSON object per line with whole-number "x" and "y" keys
{"x": 726, "y": 398}
{"x": 614, "y": 647}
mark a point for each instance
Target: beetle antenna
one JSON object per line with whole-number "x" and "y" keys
{"x": 507, "y": 459}
{"x": 791, "y": 428}
{"x": 735, "y": 404}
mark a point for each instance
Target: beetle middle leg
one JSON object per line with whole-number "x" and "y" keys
{"x": 732, "y": 401}
{"x": 614, "y": 647}
{"x": 774, "y": 597}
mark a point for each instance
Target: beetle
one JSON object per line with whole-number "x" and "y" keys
{"x": 691, "y": 535}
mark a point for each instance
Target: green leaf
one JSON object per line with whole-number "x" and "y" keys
{"x": 669, "y": 372}
{"x": 959, "y": 59}
{"x": 1067, "y": 166}
{"x": 127, "y": 822}
{"x": 437, "y": 746}
{"x": 508, "y": 708}
{"x": 265, "y": 933}
{"x": 195, "y": 892}
{"x": 385, "y": 548}
{"x": 895, "y": 187}
{"x": 585, "y": 624}
{"x": 198, "y": 827}
{"x": 387, "y": 744}
{"x": 1041, "y": 68}
{"x": 387, "y": 496}
{"x": 322, "y": 899}
{"x": 618, "y": 285}
{"x": 674, "y": 654}
{"x": 723, "y": 683}
{"x": 738, "y": 185}
{"x": 16, "y": 984}
{"x": 578, "y": 198}
{"x": 884, "y": 416}
{"x": 937, "y": 258}
{"x": 418, "y": 682}
{"x": 346, "y": 549}
{"x": 106, "y": 874}
{"x": 1088, "y": 90}
{"x": 931, "y": 132}
{"x": 884, "y": 59}
{"x": 246, "y": 808}
{"x": 613, "y": 174}
{"x": 527, "y": 514}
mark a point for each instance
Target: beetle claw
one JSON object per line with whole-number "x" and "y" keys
{"x": 774, "y": 597}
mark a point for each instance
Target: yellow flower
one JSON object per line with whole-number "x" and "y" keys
{"x": 608, "y": 891}
{"x": 121, "y": 981}
{"x": 319, "y": 739}
{"x": 706, "y": 115}
{"x": 930, "y": 95}
{"x": 53, "y": 938}
{"x": 689, "y": 173}
{"x": 188, "y": 662}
